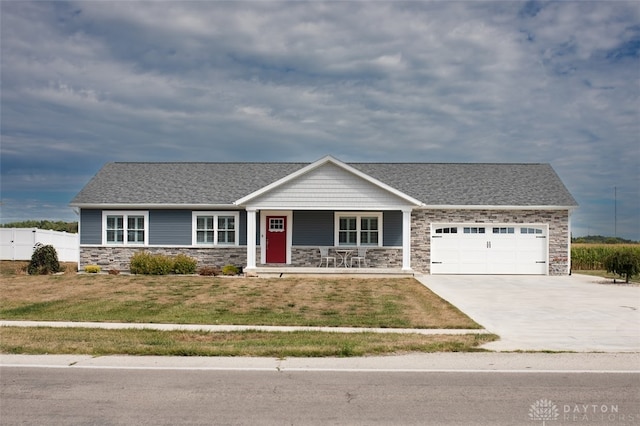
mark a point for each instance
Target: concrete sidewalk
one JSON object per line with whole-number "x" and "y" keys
{"x": 226, "y": 328}
{"x": 415, "y": 362}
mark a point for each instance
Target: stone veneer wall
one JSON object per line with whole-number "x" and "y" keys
{"x": 118, "y": 257}
{"x": 377, "y": 257}
{"x": 558, "y": 221}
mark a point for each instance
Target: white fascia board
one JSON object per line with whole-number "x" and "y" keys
{"x": 489, "y": 207}
{"x": 159, "y": 206}
{"x": 342, "y": 208}
{"x": 315, "y": 165}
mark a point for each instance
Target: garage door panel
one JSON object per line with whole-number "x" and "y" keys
{"x": 488, "y": 249}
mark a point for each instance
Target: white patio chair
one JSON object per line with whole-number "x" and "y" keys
{"x": 361, "y": 258}
{"x": 325, "y": 258}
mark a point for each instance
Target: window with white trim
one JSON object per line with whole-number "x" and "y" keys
{"x": 503, "y": 230}
{"x": 215, "y": 228}
{"x": 474, "y": 230}
{"x": 451, "y": 230}
{"x": 530, "y": 231}
{"x": 276, "y": 224}
{"x": 125, "y": 228}
{"x": 358, "y": 229}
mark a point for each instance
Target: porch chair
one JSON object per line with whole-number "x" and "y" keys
{"x": 325, "y": 258}
{"x": 361, "y": 257}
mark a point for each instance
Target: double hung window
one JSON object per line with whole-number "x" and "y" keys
{"x": 359, "y": 229}
{"x": 215, "y": 228}
{"x": 125, "y": 227}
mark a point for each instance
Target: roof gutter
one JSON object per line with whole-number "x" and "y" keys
{"x": 159, "y": 206}
{"x": 493, "y": 207}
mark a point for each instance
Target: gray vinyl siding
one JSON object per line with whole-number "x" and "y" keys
{"x": 317, "y": 228}
{"x": 175, "y": 227}
{"x": 392, "y": 228}
{"x": 90, "y": 226}
{"x": 170, "y": 227}
{"x": 242, "y": 228}
{"x": 313, "y": 228}
{"x": 166, "y": 227}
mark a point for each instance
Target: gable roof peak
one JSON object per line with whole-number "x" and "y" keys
{"x": 328, "y": 159}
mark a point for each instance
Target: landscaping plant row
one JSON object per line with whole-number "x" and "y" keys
{"x": 145, "y": 263}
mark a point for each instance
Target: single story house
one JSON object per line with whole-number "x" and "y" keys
{"x": 422, "y": 217}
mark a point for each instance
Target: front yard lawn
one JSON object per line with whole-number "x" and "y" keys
{"x": 308, "y": 301}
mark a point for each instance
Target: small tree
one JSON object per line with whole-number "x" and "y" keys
{"x": 44, "y": 260}
{"x": 623, "y": 262}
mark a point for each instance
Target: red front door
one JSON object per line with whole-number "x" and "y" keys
{"x": 276, "y": 239}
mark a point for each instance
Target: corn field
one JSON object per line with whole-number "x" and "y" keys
{"x": 590, "y": 257}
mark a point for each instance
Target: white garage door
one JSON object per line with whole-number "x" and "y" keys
{"x": 488, "y": 249}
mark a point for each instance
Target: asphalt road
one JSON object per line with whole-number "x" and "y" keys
{"x": 39, "y": 395}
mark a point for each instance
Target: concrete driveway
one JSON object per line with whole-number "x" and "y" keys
{"x": 568, "y": 313}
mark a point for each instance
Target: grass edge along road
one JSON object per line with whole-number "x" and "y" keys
{"x": 100, "y": 342}
{"x": 309, "y": 301}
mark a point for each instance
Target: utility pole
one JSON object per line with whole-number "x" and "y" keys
{"x": 615, "y": 211}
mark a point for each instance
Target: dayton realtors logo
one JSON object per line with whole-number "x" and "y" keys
{"x": 543, "y": 410}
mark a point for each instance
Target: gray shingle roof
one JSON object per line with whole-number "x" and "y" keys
{"x": 223, "y": 183}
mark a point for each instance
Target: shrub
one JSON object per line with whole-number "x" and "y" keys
{"x": 623, "y": 262}
{"x": 183, "y": 264}
{"x": 230, "y": 270}
{"x": 114, "y": 271}
{"x": 44, "y": 260}
{"x": 209, "y": 271}
{"x": 146, "y": 263}
{"x": 92, "y": 269}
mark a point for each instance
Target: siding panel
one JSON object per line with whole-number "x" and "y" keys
{"x": 313, "y": 228}
{"x": 392, "y": 228}
{"x": 90, "y": 226}
{"x": 329, "y": 187}
{"x": 170, "y": 227}
{"x": 242, "y": 228}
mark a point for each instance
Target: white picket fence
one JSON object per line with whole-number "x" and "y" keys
{"x": 18, "y": 243}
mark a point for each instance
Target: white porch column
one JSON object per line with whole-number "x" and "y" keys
{"x": 251, "y": 238}
{"x": 406, "y": 239}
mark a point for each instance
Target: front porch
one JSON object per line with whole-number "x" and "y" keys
{"x": 289, "y": 271}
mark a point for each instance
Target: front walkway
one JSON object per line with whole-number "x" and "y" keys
{"x": 559, "y": 313}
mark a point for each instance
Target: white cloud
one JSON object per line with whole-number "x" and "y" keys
{"x": 400, "y": 81}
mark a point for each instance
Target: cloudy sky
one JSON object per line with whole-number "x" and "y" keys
{"x": 85, "y": 83}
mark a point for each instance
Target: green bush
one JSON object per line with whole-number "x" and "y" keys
{"x": 44, "y": 261}
{"x": 92, "y": 269}
{"x": 230, "y": 270}
{"x": 623, "y": 262}
{"x": 183, "y": 264}
{"x": 146, "y": 263}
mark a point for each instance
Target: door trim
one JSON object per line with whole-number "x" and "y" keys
{"x": 263, "y": 232}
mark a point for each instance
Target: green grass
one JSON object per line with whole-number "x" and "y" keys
{"x": 389, "y": 303}
{"x": 354, "y": 302}
{"x": 98, "y": 342}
